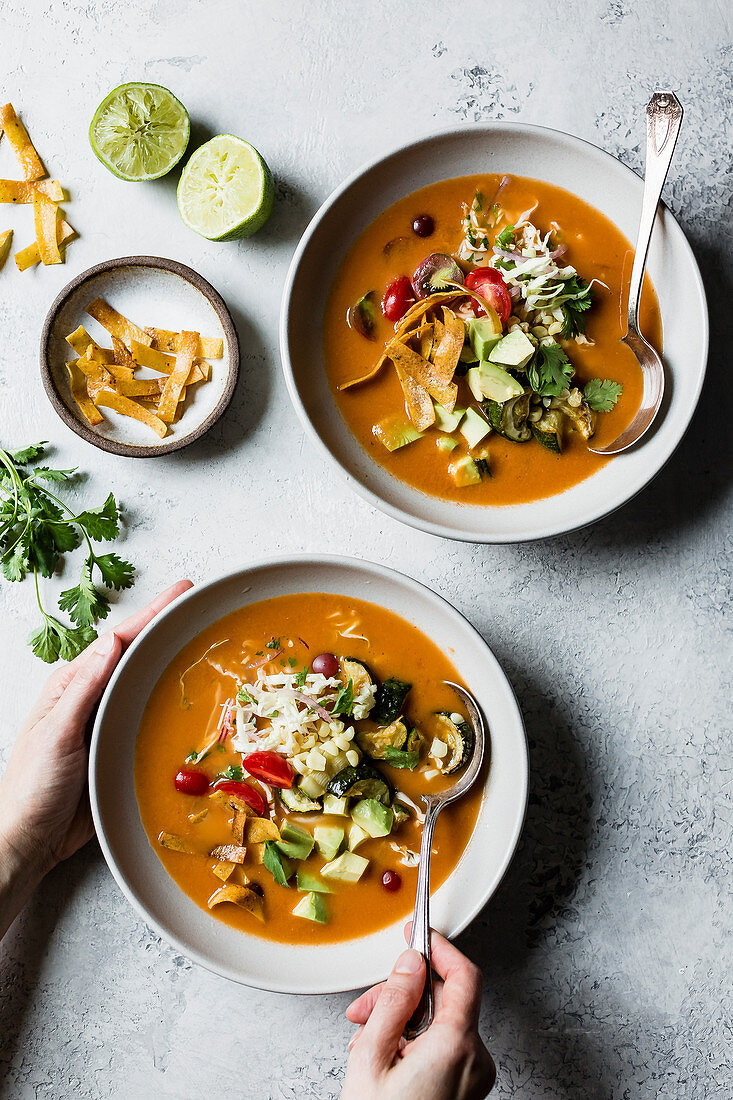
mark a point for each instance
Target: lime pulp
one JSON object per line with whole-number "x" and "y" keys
{"x": 226, "y": 190}
{"x": 140, "y": 131}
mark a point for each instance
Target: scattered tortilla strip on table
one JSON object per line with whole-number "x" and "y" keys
{"x": 80, "y": 396}
{"x": 46, "y": 214}
{"x": 423, "y": 372}
{"x": 24, "y": 191}
{"x": 81, "y": 341}
{"x": 30, "y": 256}
{"x": 110, "y": 399}
{"x": 6, "y": 239}
{"x": 178, "y": 377}
{"x": 243, "y": 896}
{"x": 450, "y": 337}
{"x": 163, "y": 339}
{"x": 420, "y": 408}
{"x": 115, "y": 323}
{"x": 25, "y": 153}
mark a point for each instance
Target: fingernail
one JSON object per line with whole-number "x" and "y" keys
{"x": 106, "y": 644}
{"x": 409, "y": 962}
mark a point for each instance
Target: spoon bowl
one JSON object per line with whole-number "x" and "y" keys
{"x": 434, "y": 803}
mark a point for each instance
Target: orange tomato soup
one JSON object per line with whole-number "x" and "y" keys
{"x": 185, "y": 709}
{"x": 520, "y": 471}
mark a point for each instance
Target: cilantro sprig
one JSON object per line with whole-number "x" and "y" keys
{"x": 577, "y": 300}
{"x": 602, "y": 395}
{"x": 36, "y": 530}
{"x": 549, "y": 371}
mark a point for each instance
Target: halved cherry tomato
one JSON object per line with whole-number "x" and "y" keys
{"x": 398, "y": 297}
{"x": 270, "y": 767}
{"x": 189, "y": 781}
{"x": 489, "y": 283}
{"x": 248, "y": 794}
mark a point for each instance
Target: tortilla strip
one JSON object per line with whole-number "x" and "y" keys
{"x": 6, "y": 239}
{"x": 426, "y": 336}
{"x": 25, "y": 154}
{"x": 19, "y": 191}
{"x": 45, "y": 214}
{"x": 450, "y": 338}
{"x": 81, "y": 398}
{"x": 238, "y": 822}
{"x": 115, "y": 323}
{"x": 138, "y": 387}
{"x": 110, "y": 399}
{"x": 81, "y": 341}
{"x": 242, "y": 896}
{"x": 261, "y": 829}
{"x": 223, "y": 870}
{"x": 163, "y": 339}
{"x": 178, "y": 377}
{"x": 97, "y": 375}
{"x": 173, "y": 842}
{"x": 423, "y": 372}
{"x": 200, "y": 816}
{"x": 231, "y": 853}
{"x": 420, "y": 408}
{"x": 30, "y": 256}
{"x": 123, "y": 367}
{"x": 164, "y": 364}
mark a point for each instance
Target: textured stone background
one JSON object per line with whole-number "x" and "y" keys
{"x": 606, "y": 950}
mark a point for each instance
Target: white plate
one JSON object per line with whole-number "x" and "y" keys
{"x": 516, "y": 149}
{"x": 284, "y": 967}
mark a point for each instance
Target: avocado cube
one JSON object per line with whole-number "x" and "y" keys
{"x": 448, "y": 421}
{"x": 474, "y": 428}
{"x": 347, "y": 868}
{"x": 295, "y": 842}
{"x": 339, "y": 807}
{"x": 513, "y": 350}
{"x": 373, "y": 817}
{"x": 483, "y": 336}
{"x": 312, "y": 907}
{"x": 357, "y": 836}
{"x": 308, "y": 883}
{"x": 329, "y": 839}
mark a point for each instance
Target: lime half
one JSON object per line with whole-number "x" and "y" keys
{"x": 226, "y": 190}
{"x": 140, "y": 131}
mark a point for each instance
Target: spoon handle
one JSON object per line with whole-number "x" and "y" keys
{"x": 422, "y": 1017}
{"x": 664, "y": 118}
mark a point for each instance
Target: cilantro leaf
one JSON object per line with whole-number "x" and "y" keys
{"x": 47, "y": 474}
{"x": 15, "y": 564}
{"x": 234, "y": 771}
{"x": 52, "y": 640}
{"x": 576, "y": 299}
{"x": 549, "y": 371}
{"x": 274, "y": 643}
{"x": 506, "y": 238}
{"x": 301, "y": 678}
{"x": 243, "y": 696}
{"x": 28, "y": 454}
{"x": 101, "y": 523}
{"x": 602, "y": 396}
{"x": 344, "y": 703}
{"x": 116, "y": 573}
{"x": 84, "y": 603}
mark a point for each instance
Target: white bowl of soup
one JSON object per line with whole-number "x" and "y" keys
{"x": 261, "y": 809}
{"x": 492, "y": 443}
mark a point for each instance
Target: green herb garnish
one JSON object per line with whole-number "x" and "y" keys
{"x": 274, "y": 643}
{"x": 234, "y": 772}
{"x": 192, "y": 757}
{"x": 243, "y": 696}
{"x": 36, "y": 530}
{"x": 506, "y": 238}
{"x": 344, "y": 703}
{"x": 573, "y": 311}
{"x": 602, "y": 396}
{"x": 549, "y": 371}
{"x": 301, "y": 678}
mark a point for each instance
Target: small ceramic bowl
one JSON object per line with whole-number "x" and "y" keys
{"x": 151, "y": 291}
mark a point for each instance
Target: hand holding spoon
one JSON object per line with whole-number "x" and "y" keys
{"x": 434, "y": 803}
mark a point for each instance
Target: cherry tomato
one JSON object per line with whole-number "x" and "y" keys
{"x": 489, "y": 284}
{"x": 391, "y": 881}
{"x": 398, "y": 297}
{"x": 248, "y": 794}
{"x": 423, "y": 225}
{"x": 326, "y": 664}
{"x": 270, "y": 767}
{"x": 188, "y": 781}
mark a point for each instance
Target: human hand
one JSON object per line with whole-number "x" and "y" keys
{"x": 44, "y": 802}
{"x": 448, "y": 1061}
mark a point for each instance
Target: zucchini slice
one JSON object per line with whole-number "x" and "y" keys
{"x": 375, "y": 742}
{"x": 548, "y": 431}
{"x": 389, "y": 701}
{"x": 458, "y": 735}
{"x": 510, "y": 419}
{"x": 357, "y": 672}
{"x": 297, "y": 802}
{"x": 581, "y": 417}
{"x": 361, "y": 781}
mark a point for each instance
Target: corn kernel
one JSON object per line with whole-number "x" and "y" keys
{"x": 353, "y": 757}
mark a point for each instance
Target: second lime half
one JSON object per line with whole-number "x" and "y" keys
{"x": 226, "y": 190}
{"x": 140, "y": 131}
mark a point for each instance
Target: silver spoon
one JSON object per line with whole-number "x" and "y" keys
{"x": 434, "y": 803}
{"x": 664, "y": 118}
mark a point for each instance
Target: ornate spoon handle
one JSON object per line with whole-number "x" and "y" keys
{"x": 422, "y": 1017}
{"x": 664, "y": 118}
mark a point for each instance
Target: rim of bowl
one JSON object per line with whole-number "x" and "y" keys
{"x": 549, "y": 530}
{"x": 284, "y": 561}
{"x": 175, "y": 267}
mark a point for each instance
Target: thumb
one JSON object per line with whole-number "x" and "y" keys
{"x": 398, "y": 999}
{"x": 90, "y": 679}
